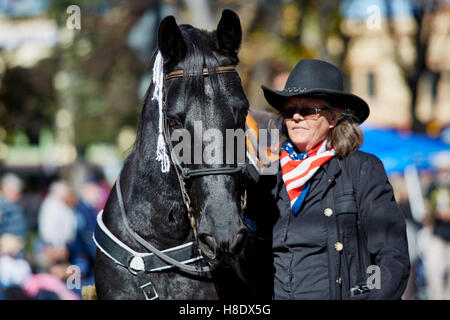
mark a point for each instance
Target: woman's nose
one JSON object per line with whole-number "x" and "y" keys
{"x": 297, "y": 117}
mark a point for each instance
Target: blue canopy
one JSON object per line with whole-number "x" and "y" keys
{"x": 398, "y": 149}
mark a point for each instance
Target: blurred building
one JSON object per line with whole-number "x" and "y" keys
{"x": 27, "y": 36}
{"x": 435, "y": 102}
{"x": 382, "y": 55}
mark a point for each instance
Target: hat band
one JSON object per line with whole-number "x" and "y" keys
{"x": 295, "y": 90}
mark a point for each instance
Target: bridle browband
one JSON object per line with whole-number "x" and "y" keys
{"x": 205, "y": 72}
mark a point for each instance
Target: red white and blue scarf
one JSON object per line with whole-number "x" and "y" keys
{"x": 298, "y": 168}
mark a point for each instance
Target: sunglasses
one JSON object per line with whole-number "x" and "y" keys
{"x": 307, "y": 113}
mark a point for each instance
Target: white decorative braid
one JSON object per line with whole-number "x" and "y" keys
{"x": 158, "y": 79}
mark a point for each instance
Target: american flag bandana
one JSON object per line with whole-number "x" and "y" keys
{"x": 298, "y": 168}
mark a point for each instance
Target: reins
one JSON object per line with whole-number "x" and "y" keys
{"x": 195, "y": 270}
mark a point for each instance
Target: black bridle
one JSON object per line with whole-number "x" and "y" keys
{"x": 184, "y": 173}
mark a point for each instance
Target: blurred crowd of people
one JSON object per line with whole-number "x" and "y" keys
{"x": 49, "y": 256}
{"x": 428, "y": 233}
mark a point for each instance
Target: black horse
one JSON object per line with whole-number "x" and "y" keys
{"x": 200, "y": 83}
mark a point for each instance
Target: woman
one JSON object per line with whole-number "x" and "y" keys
{"x": 327, "y": 224}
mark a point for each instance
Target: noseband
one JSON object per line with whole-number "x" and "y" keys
{"x": 186, "y": 173}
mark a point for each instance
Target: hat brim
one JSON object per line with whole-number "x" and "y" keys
{"x": 360, "y": 108}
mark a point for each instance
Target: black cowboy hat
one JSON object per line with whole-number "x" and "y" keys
{"x": 317, "y": 79}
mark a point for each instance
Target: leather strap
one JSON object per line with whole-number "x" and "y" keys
{"x": 147, "y": 287}
{"x": 120, "y": 253}
{"x": 181, "y": 73}
{"x": 194, "y": 270}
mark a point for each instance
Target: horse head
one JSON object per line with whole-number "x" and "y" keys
{"x": 206, "y": 105}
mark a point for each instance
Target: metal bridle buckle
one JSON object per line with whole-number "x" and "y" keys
{"x": 134, "y": 273}
{"x": 136, "y": 264}
{"x": 149, "y": 284}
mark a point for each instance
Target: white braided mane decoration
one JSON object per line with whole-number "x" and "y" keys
{"x": 158, "y": 79}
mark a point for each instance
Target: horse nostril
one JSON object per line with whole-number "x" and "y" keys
{"x": 207, "y": 244}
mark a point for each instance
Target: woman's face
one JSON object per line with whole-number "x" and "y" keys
{"x": 306, "y": 131}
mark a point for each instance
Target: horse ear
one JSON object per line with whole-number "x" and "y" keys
{"x": 170, "y": 41}
{"x": 229, "y": 32}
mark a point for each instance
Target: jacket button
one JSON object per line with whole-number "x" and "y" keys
{"x": 328, "y": 212}
{"x": 338, "y": 246}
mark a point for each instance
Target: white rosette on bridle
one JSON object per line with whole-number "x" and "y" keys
{"x": 158, "y": 79}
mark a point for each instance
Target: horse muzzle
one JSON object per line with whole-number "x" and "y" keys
{"x": 222, "y": 253}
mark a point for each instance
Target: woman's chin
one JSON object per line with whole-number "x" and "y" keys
{"x": 301, "y": 145}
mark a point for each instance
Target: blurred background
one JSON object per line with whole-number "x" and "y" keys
{"x": 72, "y": 79}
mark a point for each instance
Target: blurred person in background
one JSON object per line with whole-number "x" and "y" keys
{"x": 86, "y": 212}
{"x": 13, "y": 224}
{"x": 82, "y": 251}
{"x": 435, "y": 238}
{"x": 57, "y": 225}
{"x": 16, "y": 278}
{"x": 14, "y": 270}
{"x": 13, "y": 273}
{"x": 412, "y": 228}
{"x": 103, "y": 188}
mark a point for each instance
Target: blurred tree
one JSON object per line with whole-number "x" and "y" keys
{"x": 27, "y": 99}
{"x": 104, "y": 72}
{"x": 413, "y": 72}
{"x": 279, "y": 33}
{"x": 92, "y": 72}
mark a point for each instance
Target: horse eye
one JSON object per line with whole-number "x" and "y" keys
{"x": 174, "y": 123}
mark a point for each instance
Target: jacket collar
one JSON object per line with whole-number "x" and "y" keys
{"x": 332, "y": 168}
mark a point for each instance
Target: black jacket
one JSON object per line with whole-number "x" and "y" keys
{"x": 349, "y": 221}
